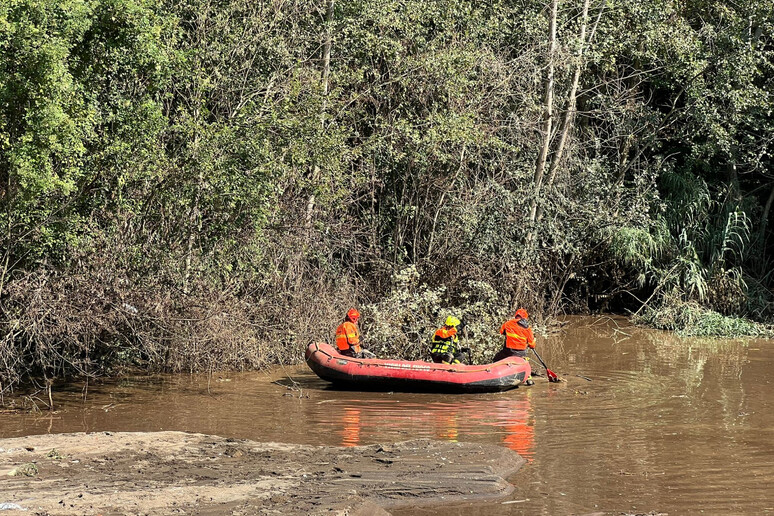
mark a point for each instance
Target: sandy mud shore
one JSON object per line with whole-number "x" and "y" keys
{"x": 179, "y": 473}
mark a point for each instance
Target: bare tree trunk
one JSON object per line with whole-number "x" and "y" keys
{"x": 441, "y": 201}
{"x": 373, "y": 243}
{"x": 549, "y": 113}
{"x": 8, "y": 240}
{"x": 315, "y": 173}
{"x": 195, "y": 223}
{"x": 5, "y": 266}
{"x": 325, "y": 86}
{"x": 569, "y": 114}
{"x": 327, "y": 51}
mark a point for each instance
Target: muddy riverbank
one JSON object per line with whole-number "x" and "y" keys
{"x": 176, "y": 472}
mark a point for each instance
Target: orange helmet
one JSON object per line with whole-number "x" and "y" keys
{"x": 353, "y": 314}
{"x": 521, "y": 313}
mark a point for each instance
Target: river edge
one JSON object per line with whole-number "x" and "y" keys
{"x": 177, "y": 472}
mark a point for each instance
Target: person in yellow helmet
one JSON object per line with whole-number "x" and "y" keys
{"x": 446, "y": 344}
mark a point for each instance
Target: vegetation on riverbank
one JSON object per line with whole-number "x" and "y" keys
{"x": 196, "y": 185}
{"x": 689, "y": 319}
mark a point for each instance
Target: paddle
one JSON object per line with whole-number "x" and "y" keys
{"x": 552, "y": 377}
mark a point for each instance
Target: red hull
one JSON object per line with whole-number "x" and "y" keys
{"x": 404, "y": 375}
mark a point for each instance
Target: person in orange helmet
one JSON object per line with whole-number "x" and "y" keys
{"x": 348, "y": 337}
{"x": 518, "y": 337}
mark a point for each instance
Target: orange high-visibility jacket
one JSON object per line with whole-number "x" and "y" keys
{"x": 444, "y": 333}
{"x": 347, "y": 337}
{"x": 517, "y": 336}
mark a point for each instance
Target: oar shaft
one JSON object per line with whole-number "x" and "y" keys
{"x": 538, "y": 357}
{"x": 552, "y": 377}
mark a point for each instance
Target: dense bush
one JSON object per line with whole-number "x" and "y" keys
{"x": 404, "y": 320}
{"x": 690, "y": 319}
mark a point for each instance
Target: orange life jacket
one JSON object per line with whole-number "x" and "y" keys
{"x": 517, "y": 336}
{"x": 347, "y": 337}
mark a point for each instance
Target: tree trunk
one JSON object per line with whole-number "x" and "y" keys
{"x": 548, "y": 110}
{"x": 439, "y": 207}
{"x": 569, "y": 114}
{"x": 327, "y": 51}
{"x": 8, "y": 240}
{"x": 325, "y": 86}
{"x": 195, "y": 216}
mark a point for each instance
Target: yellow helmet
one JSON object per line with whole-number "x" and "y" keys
{"x": 452, "y": 321}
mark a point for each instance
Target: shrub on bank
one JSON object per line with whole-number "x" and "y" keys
{"x": 402, "y": 323}
{"x": 102, "y": 320}
{"x": 690, "y": 319}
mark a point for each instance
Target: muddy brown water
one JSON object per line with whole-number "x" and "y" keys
{"x": 666, "y": 425}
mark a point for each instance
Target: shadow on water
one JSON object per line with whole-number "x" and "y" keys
{"x": 388, "y": 387}
{"x": 303, "y": 382}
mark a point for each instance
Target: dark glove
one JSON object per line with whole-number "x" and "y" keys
{"x": 464, "y": 350}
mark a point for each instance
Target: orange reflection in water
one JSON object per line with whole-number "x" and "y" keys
{"x": 508, "y": 418}
{"x": 520, "y": 430}
{"x": 351, "y": 427}
{"x": 446, "y": 427}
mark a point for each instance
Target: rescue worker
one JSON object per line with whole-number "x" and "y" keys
{"x": 518, "y": 336}
{"x": 445, "y": 344}
{"x": 348, "y": 337}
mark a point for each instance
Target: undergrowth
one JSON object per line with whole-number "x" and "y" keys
{"x": 402, "y": 323}
{"x": 689, "y": 319}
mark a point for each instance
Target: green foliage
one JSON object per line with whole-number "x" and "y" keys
{"x": 690, "y": 319}
{"x": 641, "y": 248}
{"x": 46, "y": 120}
{"x": 403, "y": 322}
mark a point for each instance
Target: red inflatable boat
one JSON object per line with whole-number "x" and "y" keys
{"x": 406, "y": 376}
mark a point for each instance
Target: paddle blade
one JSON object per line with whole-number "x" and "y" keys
{"x": 552, "y": 377}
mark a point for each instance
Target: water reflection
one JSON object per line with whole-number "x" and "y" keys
{"x": 520, "y": 430}
{"x": 350, "y": 435}
{"x": 506, "y": 418}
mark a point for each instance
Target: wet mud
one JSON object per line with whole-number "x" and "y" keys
{"x": 174, "y": 473}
